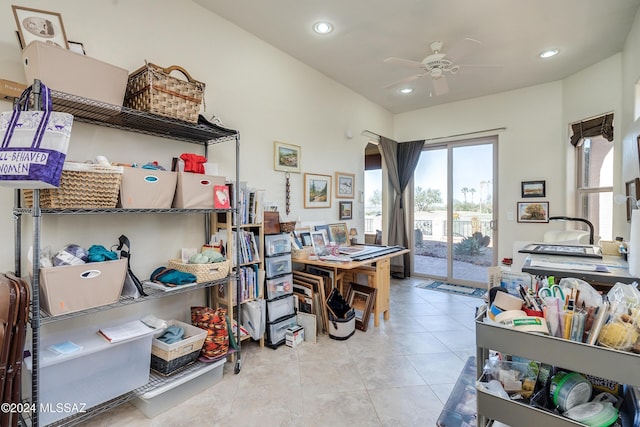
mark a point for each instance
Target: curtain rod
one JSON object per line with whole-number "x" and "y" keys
{"x": 467, "y": 133}
{"x": 597, "y": 116}
{"x": 377, "y": 137}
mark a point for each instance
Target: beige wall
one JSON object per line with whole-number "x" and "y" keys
{"x": 269, "y": 96}
{"x": 533, "y": 120}
{"x": 251, "y": 86}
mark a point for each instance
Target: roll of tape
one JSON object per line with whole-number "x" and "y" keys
{"x": 507, "y": 301}
{"x": 508, "y": 316}
{"x": 494, "y": 311}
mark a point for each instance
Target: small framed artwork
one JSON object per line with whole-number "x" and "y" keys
{"x": 533, "y": 189}
{"x": 338, "y": 233}
{"x": 324, "y": 228}
{"x": 319, "y": 243}
{"x": 344, "y": 185}
{"x": 221, "y": 198}
{"x": 317, "y": 191}
{"x": 361, "y": 298}
{"x": 632, "y": 191}
{"x": 345, "y": 209}
{"x": 286, "y": 157}
{"x": 40, "y": 25}
{"x": 305, "y": 236}
{"x": 533, "y": 211}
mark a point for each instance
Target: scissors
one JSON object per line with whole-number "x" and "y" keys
{"x": 551, "y": 291}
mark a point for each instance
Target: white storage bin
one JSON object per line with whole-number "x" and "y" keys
{"x": 277, "y": 331}
{"x": 147, "y": 188}
{"x": 99, "y": 372}
{"x": 279, "y": 286}
{"x": 277, "y": 266}
{"x": 70, "y": 288}
{"x": 276, "y": 244}
{"x": 279, "y": 308}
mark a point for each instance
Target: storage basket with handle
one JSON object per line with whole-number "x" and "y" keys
{"x": 207, "y": 272}
{"x": 82, "y": 186}
{"x": 151, "y": 88}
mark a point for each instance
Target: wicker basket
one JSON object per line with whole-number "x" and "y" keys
{"x": 151, "y": 88}
{"x": 287, "y": 227}
{"x": 203, "y": 272}
{"x": 82, "y": 186}
{"x": 166, "y": 358}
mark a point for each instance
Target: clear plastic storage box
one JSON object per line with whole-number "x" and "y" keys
{"x": 99, "y": 371}
{"x": 276, "y": 244}
{"x": 279, "y": 308}
{"x": 277, "y": 266}
{"x": 279, "y": 286}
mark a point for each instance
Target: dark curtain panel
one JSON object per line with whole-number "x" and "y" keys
{"x": 602, "y": 125}
{"x": 401, "y": 160}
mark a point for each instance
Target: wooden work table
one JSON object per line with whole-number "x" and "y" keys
{"x": 380, "y": 274}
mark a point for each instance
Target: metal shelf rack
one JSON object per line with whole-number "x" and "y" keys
{"x": 107, "y": 115}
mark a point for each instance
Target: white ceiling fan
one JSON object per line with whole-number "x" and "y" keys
{"x": 437, "y": 65}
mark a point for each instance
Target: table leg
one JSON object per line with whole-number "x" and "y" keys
{"x": 382, "y": 283}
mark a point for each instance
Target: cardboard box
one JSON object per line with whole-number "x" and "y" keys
{"x": 74, "y": 73}
{"x": 70, "y": 288}
{"x": 195, "y": 191}
{"x": 11, "y": 90}
{"x": 294, "y": 336}
{"x": 147, "y": 189}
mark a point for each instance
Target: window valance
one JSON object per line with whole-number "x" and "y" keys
{"x": 602, "y": 125}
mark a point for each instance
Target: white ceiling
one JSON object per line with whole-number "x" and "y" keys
{"x": 511, "y": 32}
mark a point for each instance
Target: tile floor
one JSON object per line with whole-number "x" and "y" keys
{"x": 399, "y": 374}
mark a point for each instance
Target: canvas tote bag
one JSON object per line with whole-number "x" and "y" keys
{"x": 34, "y": 143}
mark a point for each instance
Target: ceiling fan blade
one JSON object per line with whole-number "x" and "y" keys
{"x": 462, "y": 49}
{"x": 476, "y": 68}
{"x": 405, "y": 80}
{"x": 440, "y": 85}
{"x": 404, "y": 62}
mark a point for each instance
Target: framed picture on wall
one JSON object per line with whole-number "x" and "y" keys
{"x": 317, "y": 191}
{"x": 286, "y": 157}
{"x": 533, "y": 189}
{"x": 533, "y": 211}
{"x": 345, "y": 210}
{"x": 632, "y": 191}
{"x": 344, "y": 185}
{"x": 40, "y": 25}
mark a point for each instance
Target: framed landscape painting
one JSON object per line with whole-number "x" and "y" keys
{"x": 317, "y": 191}
{"x": 286, "y": 157}
{"x": 533, "y": 211}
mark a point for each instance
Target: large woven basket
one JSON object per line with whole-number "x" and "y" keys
{"x": 82, "y": 186}
{"x": 208, "y": 272}
{"x": 151, "y": 88}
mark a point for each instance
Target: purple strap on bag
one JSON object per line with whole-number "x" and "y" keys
{"x": 23, "y": 105}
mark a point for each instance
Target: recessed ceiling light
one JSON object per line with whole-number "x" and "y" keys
{"x": 548, "y": 53}
{"x": 406, "y": 90}
{"x": 322, "y": 27}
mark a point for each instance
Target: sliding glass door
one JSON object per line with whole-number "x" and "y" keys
{"x": 454, "y": 226}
